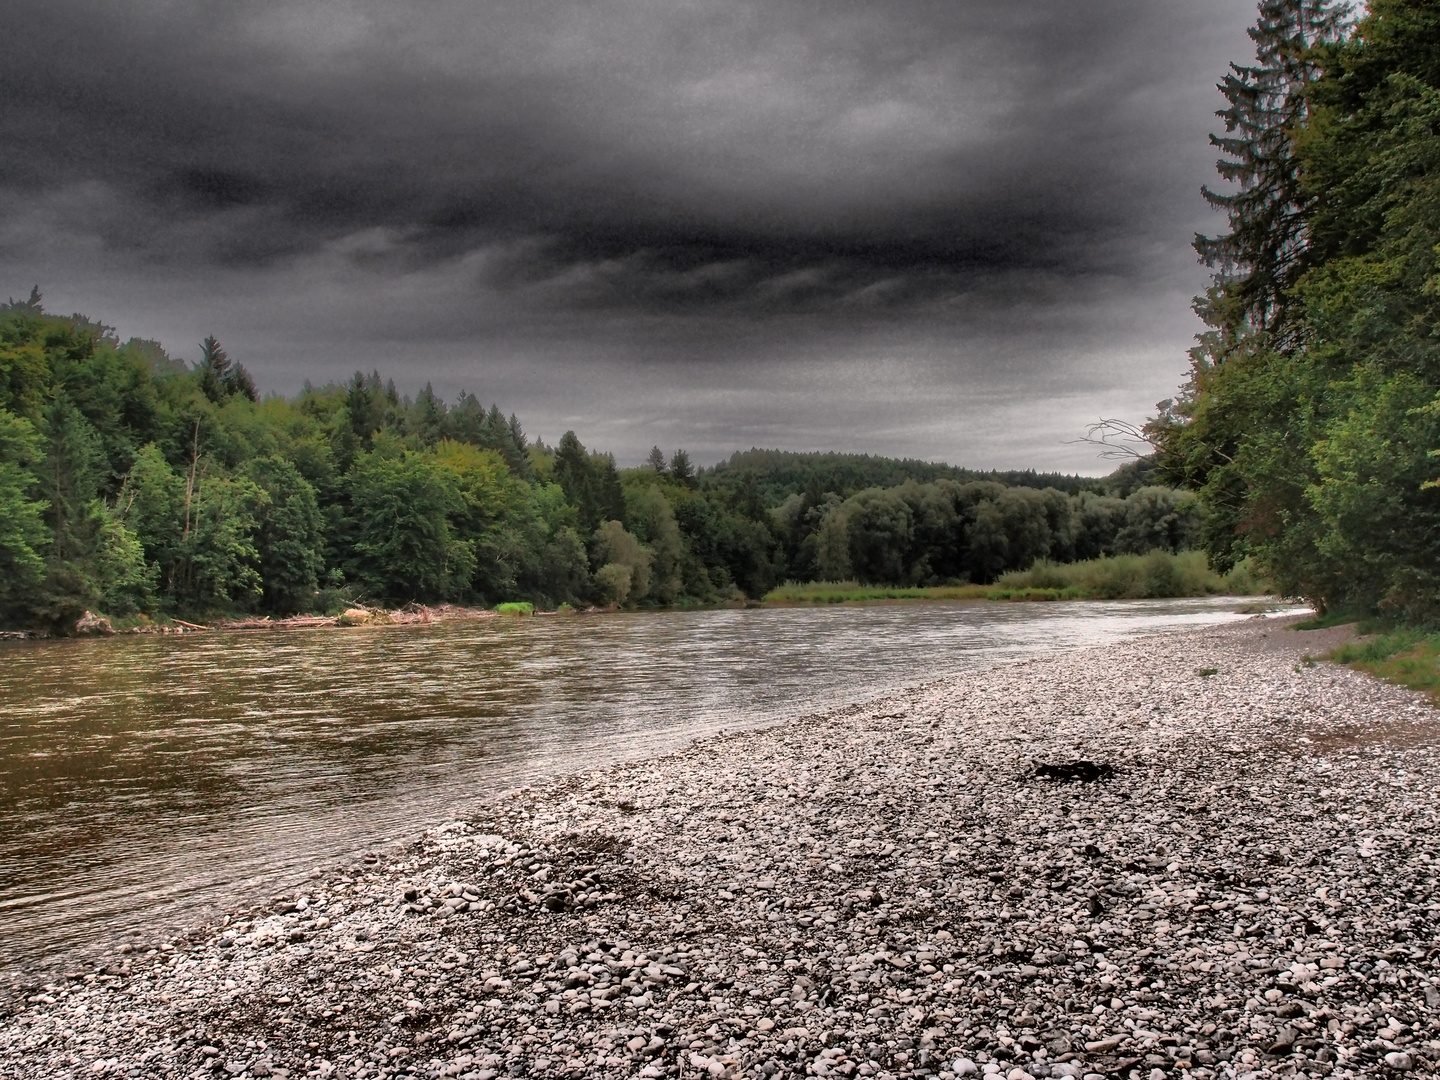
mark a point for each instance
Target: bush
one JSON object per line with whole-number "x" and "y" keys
{"x": 521, "y": 607}
{"x": 1134, "y": 577}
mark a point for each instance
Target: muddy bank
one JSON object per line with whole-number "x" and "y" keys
{"x": 1244, "y": 886}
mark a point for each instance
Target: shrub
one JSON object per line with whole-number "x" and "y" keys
{"x": 1133, "y": 577}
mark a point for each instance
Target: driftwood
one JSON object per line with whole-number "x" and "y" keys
{"x": 359, "y": 615}
{"x": 265, "y": 622}
{"x": 1087, "y": 772}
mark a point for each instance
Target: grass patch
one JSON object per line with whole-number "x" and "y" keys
{"x": 1119, "y": 577}
{"x": 1134, "y": 577}
{"x": 1364, "y": 624}
{"x": 1407, "y": 657}
{"x": 516, "y": 607}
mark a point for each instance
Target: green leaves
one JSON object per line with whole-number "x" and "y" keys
{"x": 23, "y": 536}
{"x": 1310, "y": 439}
{"x": 289, "y": 537}
{"x": 405, "y": 545}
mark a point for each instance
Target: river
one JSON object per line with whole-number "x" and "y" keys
{"x": 146, "y": 782}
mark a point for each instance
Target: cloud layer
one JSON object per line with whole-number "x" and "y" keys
{"x": 835, "y": 225}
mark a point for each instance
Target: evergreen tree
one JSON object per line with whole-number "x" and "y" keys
{"x": 609, "y": 495}
{"x": 517, "y": 448}
{"x": 1261, "y": 257}
{"x": 31, "y": 306}
{"x": 681, "y": 471}
{"x": 220, "y": 377}
{"x": 362, "y": 408}
{"x": 576, "y": 477}
{"x": 656, "y": 461}
{"x": 427, "y": 417}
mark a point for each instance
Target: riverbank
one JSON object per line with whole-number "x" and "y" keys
{"x": 91, "y": 624}
{"x": 888, "y": 889}
{"x": 1112, "y": 577}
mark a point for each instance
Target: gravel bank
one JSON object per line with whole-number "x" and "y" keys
{"x": 888, "y": 890}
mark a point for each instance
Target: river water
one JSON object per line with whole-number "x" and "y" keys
{"x": 146, "y": 782}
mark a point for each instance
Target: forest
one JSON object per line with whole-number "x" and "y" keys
{"x": 1305, "y": 438}
{"x": 1310, "y": 423}
{"x": 133, "y": 483}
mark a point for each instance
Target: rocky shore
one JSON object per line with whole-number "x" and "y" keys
{"x": 92, "y": 625}
{"x": 1197, "y": 855}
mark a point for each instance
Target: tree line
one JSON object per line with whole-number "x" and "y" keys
{"x": 131, "y": 482}
{"x": 1311, "y": 417}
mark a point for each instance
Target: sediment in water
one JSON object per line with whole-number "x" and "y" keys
{"x": 1245, "y": 887}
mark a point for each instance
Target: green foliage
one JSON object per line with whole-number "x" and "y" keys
{"x": 1263, "y": 254}
{"x": 623, "y": 563}
{"x": 218, "y": 559}
{"x": 23, "y": 535}
{"x": 681, "y": 470}
{"x": 138, "y": 485}
{"x": 926, "y": 534}
{"x": 778, "y": 474}
{"x": 24, "y": 371}
{"x": 590, "y": 483}
{"x": 1158, "y": 574}
{"x": 405, "y": 545}
{"x": 612, "y": 582}
{"x": 516, "y": 607}
{"x": 289, "y": 537}
{"x": 1308, "y": 433}
{"x": 125, "y": 581}
{"x": 1132, "y": 577}
{"x": 653, "y": 521}
{"x": 221, "y": 377}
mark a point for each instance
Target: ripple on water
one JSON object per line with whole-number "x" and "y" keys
{"x": 143, "y": 779}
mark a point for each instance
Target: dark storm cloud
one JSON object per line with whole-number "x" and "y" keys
{"x": 648, "y": 181}
{"x": 782, "y": 153}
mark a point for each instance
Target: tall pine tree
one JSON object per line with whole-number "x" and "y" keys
{"x": 1258, "y": 261}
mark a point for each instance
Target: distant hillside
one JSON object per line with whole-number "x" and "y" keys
{"x": 780, "y": 473}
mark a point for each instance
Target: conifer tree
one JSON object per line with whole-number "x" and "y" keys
{"x": 214, "y": 366}
{"x": 220, "y": 377}
{"x": 1261, "y": 257}
{"x": 680, "y": 468}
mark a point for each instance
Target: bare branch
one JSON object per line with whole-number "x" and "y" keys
{"x": 1118, "y": 439}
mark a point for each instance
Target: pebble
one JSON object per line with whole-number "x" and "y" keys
{"x": 1090, "y": 865}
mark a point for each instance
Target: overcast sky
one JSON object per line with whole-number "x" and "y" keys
{"x": 955, "y": 230}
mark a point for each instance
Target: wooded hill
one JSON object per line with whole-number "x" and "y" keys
{"x": 131, "y": 482}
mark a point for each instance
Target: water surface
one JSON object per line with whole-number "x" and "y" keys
{"x": 144, "y": 781}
